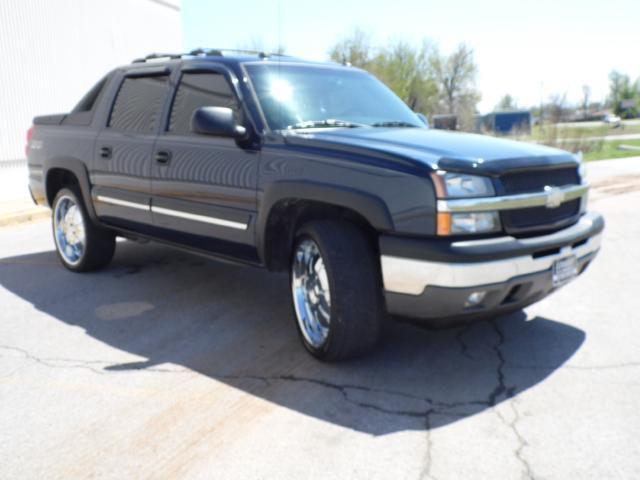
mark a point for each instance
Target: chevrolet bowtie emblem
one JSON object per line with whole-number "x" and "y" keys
{"x": 555, "y": 197}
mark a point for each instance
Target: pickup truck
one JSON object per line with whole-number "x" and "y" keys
{"x": 319, "y": 170}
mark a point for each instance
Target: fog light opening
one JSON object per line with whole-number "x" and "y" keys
{"x": 475, "y": 299}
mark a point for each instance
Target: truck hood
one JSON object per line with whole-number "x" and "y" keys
{"x": 436, "y": 149}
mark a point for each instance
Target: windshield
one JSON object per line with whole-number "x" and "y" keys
{"x": 303, "y": 96}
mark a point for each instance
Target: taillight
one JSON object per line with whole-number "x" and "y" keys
{"x": 29, "y": 135}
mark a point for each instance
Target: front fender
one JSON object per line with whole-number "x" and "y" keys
{"x": 370, "y": 207}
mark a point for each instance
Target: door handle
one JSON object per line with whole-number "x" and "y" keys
{"x": 105, "y": 152}
{"x": 163, "y": 157}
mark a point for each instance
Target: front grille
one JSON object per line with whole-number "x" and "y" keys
{"x": 535, "y": 181}
{"x": 540, "y": 218}
{"x": 536, "y": 219}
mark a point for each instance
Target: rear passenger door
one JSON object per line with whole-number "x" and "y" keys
{"x": 124, "y": 147}
{"x": 204, "y": 187}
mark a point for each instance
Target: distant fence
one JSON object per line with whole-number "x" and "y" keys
{"x": 21, "y": 162}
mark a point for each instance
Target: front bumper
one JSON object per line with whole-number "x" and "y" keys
{"x": 432, "y": 279}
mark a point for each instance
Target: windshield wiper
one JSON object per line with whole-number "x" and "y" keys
{"x": 328, "y": 123}
{"x": 394, "y": 123}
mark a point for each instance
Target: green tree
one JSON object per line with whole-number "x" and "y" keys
{"x": 426, "y": 80}
{"x": 507, "y": 103}
{"x": 620, "y": 89}
{"x": 406, "y": 70}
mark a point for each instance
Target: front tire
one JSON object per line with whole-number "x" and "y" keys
{"x": 336, "y": 290}
{"x": 81, "y": 245}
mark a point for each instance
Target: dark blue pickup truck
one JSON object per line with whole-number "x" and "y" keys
{"x": 319, "y": 170}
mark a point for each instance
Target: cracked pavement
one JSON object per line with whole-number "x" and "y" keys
{"x": 166, "y": 365}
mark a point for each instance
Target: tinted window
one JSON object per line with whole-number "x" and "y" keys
{"x": 89, "y": 101}
{"x": 82, "y": 113}
{"x": 198, "y": 90}
{"x": 137, "y": 106}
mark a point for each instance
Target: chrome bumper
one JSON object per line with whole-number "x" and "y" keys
{"x": 432, "y": 279}
{"x": 411, "y": 277}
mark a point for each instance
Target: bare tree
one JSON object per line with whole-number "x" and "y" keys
{"x": 455, "y": 76}
{"x": 354, "y": 49}
{"x": 586, "y": 98}
{"x": 557, "y": 106}
{"x": 257, "y": 44}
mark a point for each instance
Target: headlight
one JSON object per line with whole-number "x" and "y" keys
{"x": 451, "y": 185}
{"x": 468, "y": 223}
{"x": 582, "y": 167}
{"x": 461, "y": 185}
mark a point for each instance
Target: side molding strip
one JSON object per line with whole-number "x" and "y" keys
{"x": 174, "y": 213}
{"x": 199, "y": 218}
{"x": 122, "y": 203}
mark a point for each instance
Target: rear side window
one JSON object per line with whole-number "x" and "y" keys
{"x": 82, "y": 113}
{"x": 90, "y": 100}
{"x": 198, "y": 90}
{"x": 138, "y": 104}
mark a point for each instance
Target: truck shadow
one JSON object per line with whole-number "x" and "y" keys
{"x": 235, "y": 325}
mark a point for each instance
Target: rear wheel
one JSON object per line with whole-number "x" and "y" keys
{"x": 335, "y": 285}
{"x": 81, "y": 245}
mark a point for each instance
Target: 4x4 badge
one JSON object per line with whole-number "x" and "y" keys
{"x": 555, "y": 197}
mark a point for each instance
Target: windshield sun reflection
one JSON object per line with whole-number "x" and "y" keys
{"x": 281, "y": 90}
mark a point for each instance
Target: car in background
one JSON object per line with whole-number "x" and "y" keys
{"x": 613, "y": 120}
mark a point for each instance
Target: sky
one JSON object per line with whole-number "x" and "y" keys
{"x": 528, "y": 49}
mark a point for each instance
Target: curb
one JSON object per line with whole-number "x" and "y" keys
{"x": 24, "y": 216}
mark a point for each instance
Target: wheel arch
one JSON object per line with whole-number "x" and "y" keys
{"x": 285, "y": 206}
{"x": 62, "y": 171}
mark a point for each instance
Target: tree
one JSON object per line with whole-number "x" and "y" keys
{"x": 507, "y": 103}
{"x": 427, "y": 81}
{"x": 402, "y": 67}
{"x": 354, "y": 50}
{"x": 557, "y": 106}
{"x": 257, "y": 44}
{"x": 586, "y": 97}
{"x": 620, "y": 89}
{"x": 455, "y": 76}
{"x": 617, "y": 82}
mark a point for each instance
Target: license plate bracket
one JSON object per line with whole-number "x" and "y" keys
{"x": 564, "y": 270}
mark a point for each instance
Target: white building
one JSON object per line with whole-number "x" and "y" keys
{"x": 53, "y": 51}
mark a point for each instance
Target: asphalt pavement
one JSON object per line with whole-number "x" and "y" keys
{"x": 168, "y": 365}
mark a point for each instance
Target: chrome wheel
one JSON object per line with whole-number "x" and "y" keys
{"x": 69, "y": 230}
{"x": 311, "y": 295}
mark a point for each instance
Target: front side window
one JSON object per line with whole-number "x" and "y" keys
{"x": 198, "y": 90}
{"x": 138, "y": 104}
{"x": 304, "y": 96}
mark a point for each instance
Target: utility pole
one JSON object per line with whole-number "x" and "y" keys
{"x": 541, "y": 120}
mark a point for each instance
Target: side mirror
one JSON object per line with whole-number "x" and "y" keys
{"x": 218, "y": 121}
{"x": 423, "y": 118}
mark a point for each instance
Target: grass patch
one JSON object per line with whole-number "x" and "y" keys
{"x": 541, "y": 133}
{"x": 611, "y": 149}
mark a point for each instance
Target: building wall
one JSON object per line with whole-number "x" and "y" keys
{"x": 53, "y": 51}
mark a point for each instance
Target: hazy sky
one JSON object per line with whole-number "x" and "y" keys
{"x": 528, "y": 49}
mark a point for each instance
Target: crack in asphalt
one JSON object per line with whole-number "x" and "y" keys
{"x": 72, "y": 363}
{"x": 509, "y": 392}
{"x": 425, "y": 474}
{"x": 500, "y": 391}
{"x": 500, "y": 388}
{"x": 464, "y": 349}
{"x": 611, "y": 366}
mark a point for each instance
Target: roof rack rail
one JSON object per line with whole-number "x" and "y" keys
{"x": 206, "y": 52}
